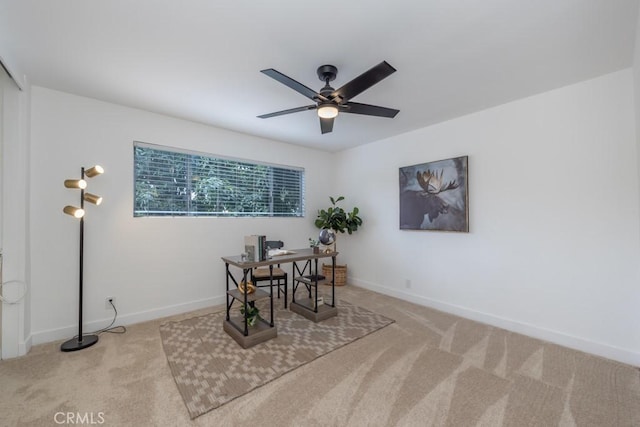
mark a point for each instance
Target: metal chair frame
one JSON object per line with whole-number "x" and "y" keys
{"x": 280, "y": 279}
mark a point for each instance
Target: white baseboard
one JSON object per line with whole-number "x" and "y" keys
{"x": 41, "y": 337}
{"x": 556, "y": 337}
{"x": 25, "y": 346}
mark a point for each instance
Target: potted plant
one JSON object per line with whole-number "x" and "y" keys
{"x": 315, "y": 245}
{"x": 340, "y": 221}
{"x": 253, "y": 314}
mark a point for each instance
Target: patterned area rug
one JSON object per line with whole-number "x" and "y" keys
{"x": 210, "y": 368}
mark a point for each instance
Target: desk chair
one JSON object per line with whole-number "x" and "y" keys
{"x": 261, "y": 274}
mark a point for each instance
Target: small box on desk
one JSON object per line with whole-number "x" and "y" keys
{"x": 255, "y": 247}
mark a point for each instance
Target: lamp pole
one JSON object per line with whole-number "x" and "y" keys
{"x": 81, "y": 268}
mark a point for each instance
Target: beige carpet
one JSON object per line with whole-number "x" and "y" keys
{"x": 211, "y": 369}
{"x": 427, "y": 368}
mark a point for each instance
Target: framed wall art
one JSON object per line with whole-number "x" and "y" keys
{"x": 435, "y": 196}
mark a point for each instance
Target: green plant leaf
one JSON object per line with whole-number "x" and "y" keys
{"x": 253, "y": 314}
{"x": 337, "y": 219}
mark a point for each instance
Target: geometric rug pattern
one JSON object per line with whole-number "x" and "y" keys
{"x": 211, "y": 369}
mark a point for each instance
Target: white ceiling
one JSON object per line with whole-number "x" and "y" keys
{"x": 200, "y": 59}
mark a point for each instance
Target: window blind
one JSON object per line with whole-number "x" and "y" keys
{"x": 172, "y": 182}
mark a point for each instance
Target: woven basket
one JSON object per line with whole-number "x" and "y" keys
{"x": 341, "y": 274}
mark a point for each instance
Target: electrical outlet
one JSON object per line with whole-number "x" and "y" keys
{"x": 407, "y": 283}
{"x": 108, "y": 301}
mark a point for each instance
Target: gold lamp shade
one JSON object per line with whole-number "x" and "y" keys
{"x": 73, "y": 211}
{"x": 92, "y": 198}
{"x": 75, "y": 183}
{"x": 94, "y": 171}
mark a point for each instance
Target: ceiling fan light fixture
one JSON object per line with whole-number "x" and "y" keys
{"x": 327, "y": 111}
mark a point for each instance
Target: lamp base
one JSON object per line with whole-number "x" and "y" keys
{"x": 75, "y": 344}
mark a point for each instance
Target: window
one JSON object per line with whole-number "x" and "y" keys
{"x": 171, "y": 182}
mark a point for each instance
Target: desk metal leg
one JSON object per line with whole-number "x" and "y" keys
{"x": 293, "y": 282}
{"x": 315, "y": 308}
{"x": 246, "y": 287}
{"x": 295, "y": 269}
{"x": 271, "y": 291}
{"x": 286, "y": 285}
{"x": 308, "y": 307}
{"x": 333, "y": 281}
{"x": 227, "y": 293}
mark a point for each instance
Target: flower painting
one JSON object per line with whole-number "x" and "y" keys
{"x": 434, "y": 196}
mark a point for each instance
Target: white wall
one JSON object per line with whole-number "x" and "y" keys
{"x": 152, "y": 266}
{"x": 553, "y": 249}
{"x": 14, "y": 141}
{"x": 636, "y": 80}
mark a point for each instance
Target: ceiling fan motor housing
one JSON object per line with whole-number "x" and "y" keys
{"x": 327, "y": 73}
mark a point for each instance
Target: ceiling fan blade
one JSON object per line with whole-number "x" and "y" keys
{"x": 289, "y": 111}
{"x": 364, "y": 81}
{"x": 298, "y": 87}
{"x": 368, "y": 110}
{"x": 326, "y": 125}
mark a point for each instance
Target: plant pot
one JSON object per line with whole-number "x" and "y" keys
{"x": 316, "y": 250}
{"x": 341, "y": 274}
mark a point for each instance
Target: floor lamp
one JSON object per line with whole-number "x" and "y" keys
{"x": 81, "y": 341}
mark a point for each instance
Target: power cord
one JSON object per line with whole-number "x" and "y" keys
{"x": 17, "y": 300}
{"x": 109, "y": 329}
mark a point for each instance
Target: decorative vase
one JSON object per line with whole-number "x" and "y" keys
{"x": 250, "y": 287}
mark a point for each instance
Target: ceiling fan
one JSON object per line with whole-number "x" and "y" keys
{"x": 330, "y": 101}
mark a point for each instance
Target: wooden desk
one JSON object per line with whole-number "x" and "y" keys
{"x": 238, "y": 327}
